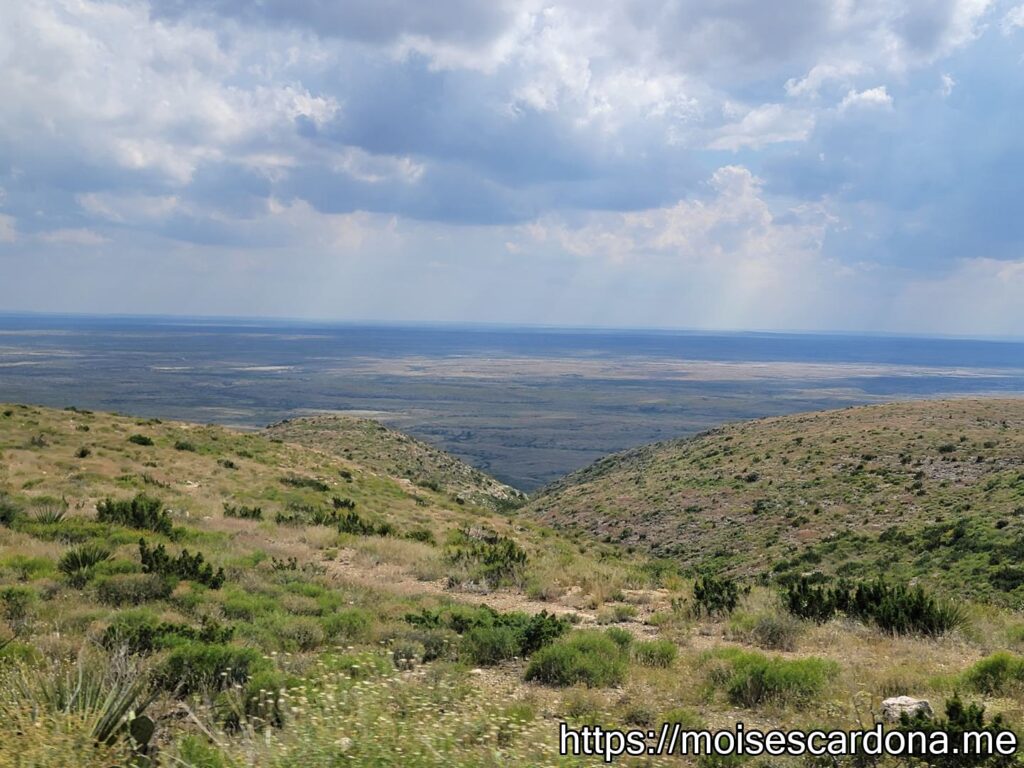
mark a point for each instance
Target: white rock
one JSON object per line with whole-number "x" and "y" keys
{"x": 893, "y": 707}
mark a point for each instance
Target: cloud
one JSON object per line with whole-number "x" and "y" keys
{"x": 1013, "y": 20}
{"x": 730, "y": 259}
{"x": 810, "y": 85}
{"x": 767, "y": 124}
{"x": 980, "y": 296}
{"x": 873, "y": 98}
{"x": 597, "y": 157}
{"x": 73, "y": 237}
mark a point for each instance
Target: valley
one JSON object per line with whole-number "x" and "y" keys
{"x": 329, "y": 591}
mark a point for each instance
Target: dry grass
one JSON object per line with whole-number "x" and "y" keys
{"x": 437, "y": 714}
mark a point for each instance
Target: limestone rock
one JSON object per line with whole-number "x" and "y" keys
{"x": 893, "y": 707}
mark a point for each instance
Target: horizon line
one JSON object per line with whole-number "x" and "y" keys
{"x": 471, "y": 325}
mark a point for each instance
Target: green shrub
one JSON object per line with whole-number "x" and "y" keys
{"x": 892, "y": 607}
{"x": 459, "y": 618}
{"x": 9, "y": 509}
{"x": 75, "y": 530}
{"x": 16, "y": 603}
{"x": 436, "y": 643}
{"x": 28, "y": 568}
{"x": 244, "y": 605}
{"x": 487, "y": 646}
{"x": 999, "y": 673}
{"x": 79, "y": 563}
{"x": 487, "y": 557}
{"x": 297, "y": 481}
{"x": 530, "y": 633}
{"x": 616, "y": 614}
{"x": 541, "y": 630}
{"x": 140, "y": 440}
{"x": 142, "y": 633}
{"x": 133, "y": 588}
{"x": 205, "y": 667}
{"x": 421, "y": 534}
{"x": 751, "y": 679}
{"x": 184, "y": 566}
{"x": 588, "y": 657}
{"x": 407, "y": 653}
{"x": 655, "y": 653}
{"x": 621, "y": 637}
{"x": 346, "y": 522}
{"x": 243, "y": 512}
{"x": 184, "y": 445}
{"x": 25, "y": 654}
{"x": 198, "y": 752}
{"x": 715, "y": 596}
{"x": 684, "y": 717}
{"x": 776, "y": 633}
{"x": 352, "y": 624}
{"x": 142, "y": 512}
{"x": 352, "y": 523}
{"x": 302, "y": 633}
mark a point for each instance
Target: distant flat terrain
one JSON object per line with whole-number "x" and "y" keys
{"x": 527, "y": 405}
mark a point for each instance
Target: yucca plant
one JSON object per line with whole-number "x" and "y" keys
{"x": 78, "y": 563}
{"x": 108, "y": 694}
{"x": 50, "y": 514}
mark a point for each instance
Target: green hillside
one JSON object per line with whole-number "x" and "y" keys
{"x": 390, "y": 452}
{"x": 184, "y": 595}
{"x": 931, "y": 490}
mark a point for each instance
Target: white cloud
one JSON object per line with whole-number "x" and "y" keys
{"x": 354, "y": 139}
{"x": 729, "y": 260}
{"x": 873, "y": 98}
{"x": 1013, "y": 20}
{"x": 821, "y": 74}
{"x": 375, "y": 169}
{"x": 73, "y": 236}
{"x": 947, "y": 85}
{"x": 767, "y": 124}
{"x": 130, "y": 209}
{"x": 112, "y": 85}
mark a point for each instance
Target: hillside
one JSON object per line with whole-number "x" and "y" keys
{"x": 232, "y": 564}
{"x": 933, "y": 490}
{"x": 176, "y": 594}
{"x": 390, "y": 452}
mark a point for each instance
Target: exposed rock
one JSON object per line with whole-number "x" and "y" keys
{"x": 893, "y": 707}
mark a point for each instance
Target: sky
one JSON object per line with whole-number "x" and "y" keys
{"x": 851, "y": 165}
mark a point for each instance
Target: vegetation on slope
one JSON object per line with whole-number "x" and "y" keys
{"x": 387, "y": 451}
{"x": 212, "y": 598}
{"x": 932, "y": 491}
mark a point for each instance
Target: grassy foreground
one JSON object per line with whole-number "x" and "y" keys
{"x": 178, "y": 594}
